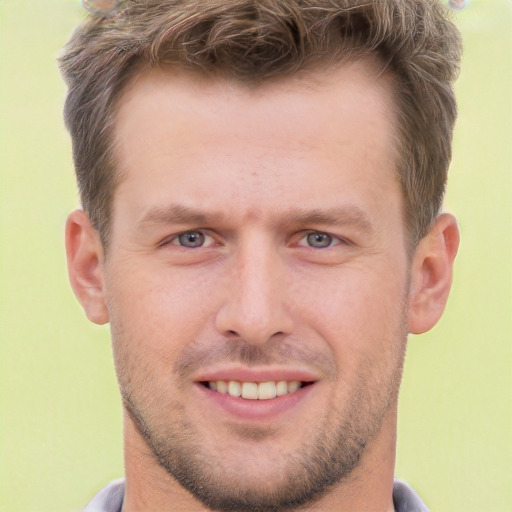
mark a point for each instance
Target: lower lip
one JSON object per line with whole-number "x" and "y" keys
{"x": 255, "y": 410}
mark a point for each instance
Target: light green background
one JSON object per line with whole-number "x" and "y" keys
{"x": 60, "y": 426}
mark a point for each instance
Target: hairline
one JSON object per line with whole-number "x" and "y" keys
{"x": 311, "y": 71}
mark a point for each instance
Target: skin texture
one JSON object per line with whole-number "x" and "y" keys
{"x": 249, "y": 174}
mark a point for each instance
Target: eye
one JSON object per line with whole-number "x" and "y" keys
{"x": 318, "y": 240}
{"x": 192, "y": 239}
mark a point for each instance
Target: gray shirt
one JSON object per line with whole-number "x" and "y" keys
{"x": 110, "y": 499}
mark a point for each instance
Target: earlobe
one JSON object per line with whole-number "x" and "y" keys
{"x": 84, "y": 252}
{"x": 431, "y": 274}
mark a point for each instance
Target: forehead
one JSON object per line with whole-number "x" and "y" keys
{"x": 284, "y": 135}
{"x": 319, "y": 94}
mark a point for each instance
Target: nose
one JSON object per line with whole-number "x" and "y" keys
{"x": 255, "y": 308}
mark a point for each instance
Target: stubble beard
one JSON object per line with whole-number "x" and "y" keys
{"x": 326, "y": 458}
{"x": 302, "y": 478}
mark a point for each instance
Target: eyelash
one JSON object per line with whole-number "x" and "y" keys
{"x": 175, "y": 240}
{"x": 333, "y": 239}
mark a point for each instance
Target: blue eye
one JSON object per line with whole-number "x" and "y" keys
{"x": 191, "y": 239}
{"x": 319, "y": 240}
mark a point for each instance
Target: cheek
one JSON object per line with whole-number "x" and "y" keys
{"x": 157, "y": 312}
{"x": 358, "y": 311}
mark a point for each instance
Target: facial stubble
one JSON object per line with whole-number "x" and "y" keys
{"x": 326, "y": 458}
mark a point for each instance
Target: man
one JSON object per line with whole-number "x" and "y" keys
{"x": 261, "y": 184}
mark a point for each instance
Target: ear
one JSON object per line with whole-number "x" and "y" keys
{"x": 432, "y": 271}
{"x": 85, "y": 266}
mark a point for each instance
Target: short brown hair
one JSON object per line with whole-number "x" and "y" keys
{"x": 252, "y": 41}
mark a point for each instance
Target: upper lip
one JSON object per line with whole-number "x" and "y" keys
{"x": 246, "y": 374}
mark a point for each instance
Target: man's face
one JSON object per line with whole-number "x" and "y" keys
{"x": 258, "y": 248}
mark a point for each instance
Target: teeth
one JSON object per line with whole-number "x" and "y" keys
{"x": 267, "y": 390}
{"x": 222, "y": 387}
{"x": 293, "y": 386}
{"x": 282, "y": 388}
{"x": 255, "y": 390}
{"x": 234, "y": 388}
{"x": 249, "y": 390}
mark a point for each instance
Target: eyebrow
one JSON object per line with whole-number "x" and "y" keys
{"x": 338, "y": 216}
{"x": 176, "y": 214}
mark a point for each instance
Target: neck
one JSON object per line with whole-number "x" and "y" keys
{"x": 370, "y": 486}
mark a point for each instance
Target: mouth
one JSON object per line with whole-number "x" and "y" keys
{"x": 266, "y": 390}
{"x": 248, "y": 395}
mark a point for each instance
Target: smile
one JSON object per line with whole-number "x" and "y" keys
{"x": 255, "y": 390}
